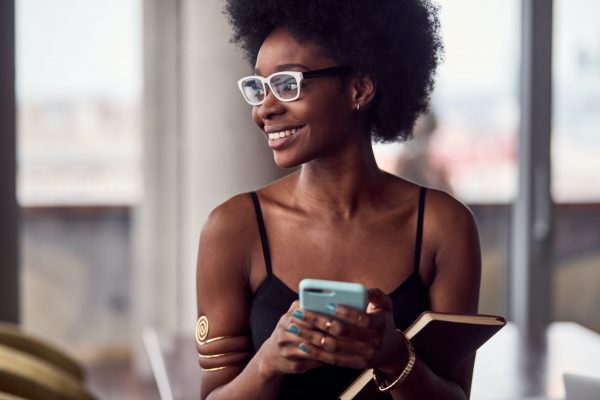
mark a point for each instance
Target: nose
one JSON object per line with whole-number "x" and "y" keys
{"x": 271, "y": 106}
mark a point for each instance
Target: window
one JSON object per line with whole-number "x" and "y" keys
{"x": 79, "y": 88}
{"x": 468, "y": 145}
{"x": 79, "y": 165}
{"x": 576, "y": 80}
{"x": 575, "y": 161}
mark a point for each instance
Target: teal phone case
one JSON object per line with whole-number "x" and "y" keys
{"x": 317, "y": 294}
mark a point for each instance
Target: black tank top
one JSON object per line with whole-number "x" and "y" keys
{"x": 272, "y": 299}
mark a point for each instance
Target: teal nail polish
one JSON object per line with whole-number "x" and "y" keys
{"x": 303, "y": 347}
{"x": 294, "y": 329}
{"x": 298, "y": 314}
{"x": 331, "y": 307}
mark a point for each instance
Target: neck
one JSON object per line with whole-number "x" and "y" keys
{"x": 342, "y": 181}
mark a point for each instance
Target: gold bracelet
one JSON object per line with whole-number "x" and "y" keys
{"x": 215, "y": 355}
{"x": 409, "y": 366}
{"x": 212, "y": 340}
{"x": 218, "y": 368}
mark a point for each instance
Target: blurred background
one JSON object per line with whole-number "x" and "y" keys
{"x": 130, "y": 130}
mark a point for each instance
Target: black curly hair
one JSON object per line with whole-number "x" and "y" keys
{"x": 396, "y": 42}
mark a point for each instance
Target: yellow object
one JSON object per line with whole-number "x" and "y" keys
{"x": 202, "y": 329}
{"x": 24, "y": 375}
{"x": 12, "y": 336}
{"x": 7, "y": 396}
{"x": 216, "y": 339}
{"x": 219, "y": 368}
{"x": 409, "y": 366}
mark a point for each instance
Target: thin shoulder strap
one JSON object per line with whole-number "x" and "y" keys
{"x": 419, "y": 240}
{"x": 263, "y": 232}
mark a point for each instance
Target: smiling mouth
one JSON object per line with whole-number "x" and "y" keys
{"x": 282, "y": 134}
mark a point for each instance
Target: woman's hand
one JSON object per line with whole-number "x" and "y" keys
{"x": 354, "y": 338}
{"x": 286, "y": 352}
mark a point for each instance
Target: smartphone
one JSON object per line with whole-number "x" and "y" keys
{"x": 317, "y": 294}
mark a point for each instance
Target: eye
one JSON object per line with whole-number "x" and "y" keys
{"x": 289, "y": 85}
{"x": 257, "y": 87}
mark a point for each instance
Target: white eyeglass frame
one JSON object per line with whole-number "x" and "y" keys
{"x": 298, "y": 75}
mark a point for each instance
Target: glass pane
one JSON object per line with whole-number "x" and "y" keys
{"x": 576, "y": 164}
{"x": 468, "y": 145}
{"x": 79, "y": 171}
{"x": 78, "y": 89}
{"x": 575, "y": 138}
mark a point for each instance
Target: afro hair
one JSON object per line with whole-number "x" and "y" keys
{"x": 395, "y": 42}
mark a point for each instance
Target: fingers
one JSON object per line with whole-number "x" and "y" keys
{"x": 349, "y": 337}
{"x": 335, "y": 350}
{"x": 378, "y": 301}
{"x": 345, "y": 322}
{"x": 356, "y": 317}
{"x": 334, "y": 340}
{"x": 322, "y": 340}
{"x": 341, "y": 352}
{"x": 288, "y": 352}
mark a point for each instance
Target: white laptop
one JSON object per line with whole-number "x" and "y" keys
{"x": 579, "y": 387}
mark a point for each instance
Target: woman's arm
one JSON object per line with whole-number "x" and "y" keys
{"x": 451, "y": 238}
{"x": 224, "y": 298}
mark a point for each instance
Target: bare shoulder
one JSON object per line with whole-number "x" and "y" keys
{"x": 230, "y": 219}
{"x": 447, "y": 217}
{"x": 452, "y": 231}
{"x": 231, "y": 229}
{"x": 226, "y": 240}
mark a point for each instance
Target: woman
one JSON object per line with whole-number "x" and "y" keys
{"x": 328, "y": 77}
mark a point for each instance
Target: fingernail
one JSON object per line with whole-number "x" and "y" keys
{"x": 298, "y": 314}
{"x": 303, "y": 347}
{"x": 294, "y": 329}
{"x": 331, "y": 307}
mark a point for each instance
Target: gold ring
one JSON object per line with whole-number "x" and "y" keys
{"x": 323, "y": 340}
{"x": 327, "y": 326}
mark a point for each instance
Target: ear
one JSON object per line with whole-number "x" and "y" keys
{"x": 363, "y": 91}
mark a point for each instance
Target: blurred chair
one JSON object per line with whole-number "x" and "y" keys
{"x": 26, "y": 376}
{"x": 12, "y": 336}
{"x": 32, "y": 369}
{"x": 6, "y": 396}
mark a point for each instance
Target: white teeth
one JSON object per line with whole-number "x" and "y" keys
{"x": 282, "y": 134}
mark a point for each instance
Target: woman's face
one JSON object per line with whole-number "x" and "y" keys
{"x": 320, "y": 118}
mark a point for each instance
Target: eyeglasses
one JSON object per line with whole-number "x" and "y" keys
{"x": 284, "y": 85}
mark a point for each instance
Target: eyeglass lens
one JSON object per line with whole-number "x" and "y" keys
{"x": 253, "y": 90}
{"x": 284, "y": 86}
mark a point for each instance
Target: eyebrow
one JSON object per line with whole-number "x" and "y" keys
{"x": 284, "y": 67}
